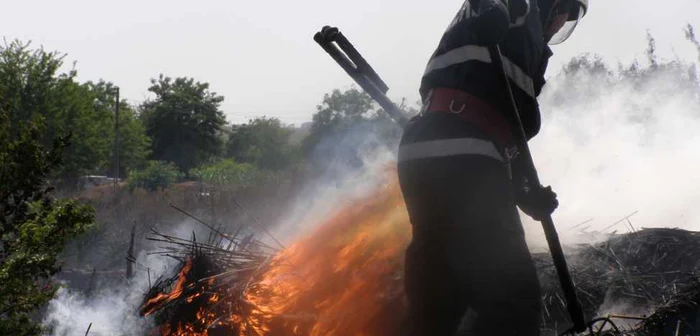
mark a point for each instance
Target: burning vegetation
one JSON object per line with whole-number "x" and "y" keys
{"x": 345, "y": 278}
{"x": 342, "y": 279}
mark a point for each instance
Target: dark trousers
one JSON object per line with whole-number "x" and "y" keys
{"x": 468, "y": 268}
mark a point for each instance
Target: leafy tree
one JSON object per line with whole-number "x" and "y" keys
{"x": 337, "y": 112}
{"x": 263, "y": 142}
{"x": 183, "y": 121}
{"x": 156, "y": 175}
{"x": 89, "y": 150}
{"x": 31, "y": 88}
{"x": 340, "y": 112}
{"x": 33, "y": 227}
{"x": 134, "y": 144}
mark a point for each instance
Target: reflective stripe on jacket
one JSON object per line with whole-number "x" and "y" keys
{"x": 462, "y": 59}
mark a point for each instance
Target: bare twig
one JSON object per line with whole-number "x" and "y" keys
{"x": 259, "y": 224}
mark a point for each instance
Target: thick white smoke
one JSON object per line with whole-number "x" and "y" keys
{"x": 111, "y": 311}
{"x": 615, "y": 144}
{"x": 359, "y": 161}
{"x": 113, "y": 306}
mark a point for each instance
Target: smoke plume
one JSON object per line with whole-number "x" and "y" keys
{"x": 615, "y": 143}
{"x": 359, "y": 160}
{"x": 111, "y": 308}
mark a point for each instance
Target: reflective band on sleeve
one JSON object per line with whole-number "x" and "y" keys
{"x": 481, "y": 54}
{"x": 448, "y": 147}
{"x": 459, "y": 55}
{"x": 519, "y": 77}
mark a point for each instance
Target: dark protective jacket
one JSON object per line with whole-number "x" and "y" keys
{"x": 463, "y": 61}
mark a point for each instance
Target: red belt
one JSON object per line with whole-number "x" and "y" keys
{"x": 473, "y": 110}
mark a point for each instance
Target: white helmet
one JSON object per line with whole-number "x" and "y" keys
{"x": 562, "y": 19}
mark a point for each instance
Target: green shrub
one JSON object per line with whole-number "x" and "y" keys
{"x": 156, "y": 175}
{"x": 227, "y": 172}
{"x": 34, "y": 226}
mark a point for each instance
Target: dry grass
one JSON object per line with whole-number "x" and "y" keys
{"x": 104, "y": 248}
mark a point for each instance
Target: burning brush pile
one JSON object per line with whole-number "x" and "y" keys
{"x": 345, "y": 278}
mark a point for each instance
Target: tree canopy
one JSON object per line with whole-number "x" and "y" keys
{"x": 183, "y": 121}
{"x": 342, "y": 112}
{"x": 134, "y": 144}
{"x": 33, "y": 226}
{"x": 32, "y": 89}
{"x": 337, "y": 112}
{"x": 263, "y": 142}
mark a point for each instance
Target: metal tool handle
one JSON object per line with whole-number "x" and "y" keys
{"x": 567, "y": 284}
{"x": 345, "y": 54}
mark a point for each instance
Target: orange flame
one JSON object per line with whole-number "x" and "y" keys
{"x": 341, "y": 279}
{"x": 334, "y": 281}
{"x": 162, "y": 298}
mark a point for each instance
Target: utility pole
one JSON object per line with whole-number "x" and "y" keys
{"x": 116, "y": 142}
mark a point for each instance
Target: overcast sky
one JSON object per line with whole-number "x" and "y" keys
{"x": 261, "y": 56}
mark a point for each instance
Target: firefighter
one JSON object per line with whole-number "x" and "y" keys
{"x": 468, "y": 267}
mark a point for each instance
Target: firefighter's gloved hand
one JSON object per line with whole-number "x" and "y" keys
{"x": 537, "y": 202}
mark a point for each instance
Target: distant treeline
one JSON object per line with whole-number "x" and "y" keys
{"x": 181, "y": 127}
